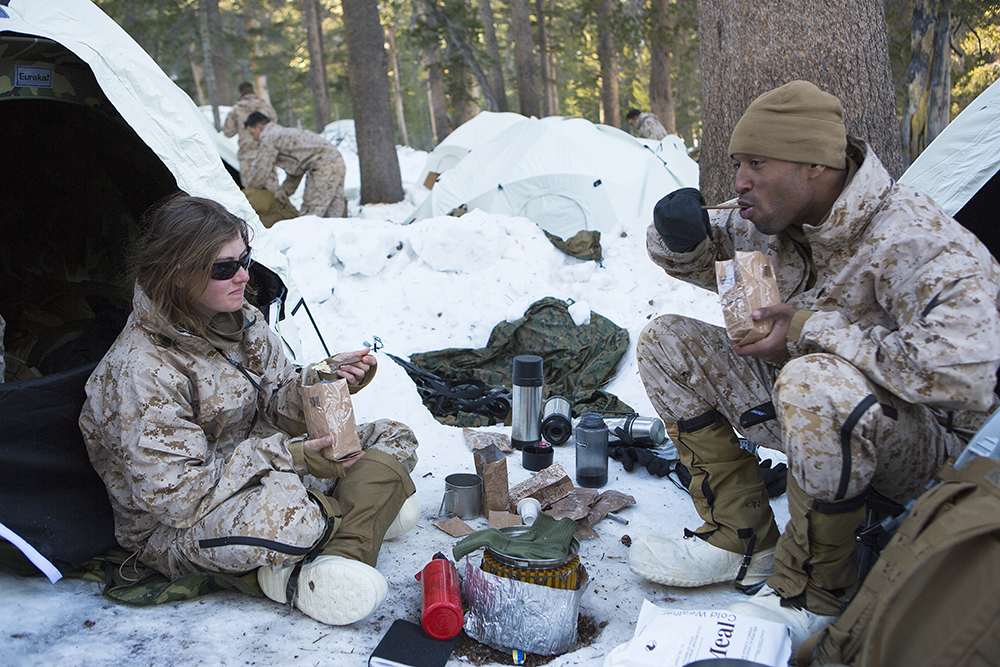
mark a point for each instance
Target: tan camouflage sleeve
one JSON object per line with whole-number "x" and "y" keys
{"x": 944, "y": 351}
{"x": 261, "y": 173}
{"x": 696, "y": 267}
{"x": 229, "y": 127}
{"x": 169, "y": 467}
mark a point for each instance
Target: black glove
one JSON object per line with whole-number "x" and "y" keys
{"x": 775, "y": 478}
{"x": 630, "y": 456}
{"x": 681, "y": 220}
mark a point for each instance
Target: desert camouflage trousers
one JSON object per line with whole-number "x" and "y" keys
{"x": 324, "y": 193}
{"x": 280, "y": 520}
{"x": 840, "y": 432}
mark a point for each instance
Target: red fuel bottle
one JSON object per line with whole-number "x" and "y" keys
{"x": 440, "y": 598}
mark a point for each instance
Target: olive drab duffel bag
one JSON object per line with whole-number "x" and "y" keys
{"x": 933, "y": 597}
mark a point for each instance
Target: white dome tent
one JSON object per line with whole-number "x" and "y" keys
{"x": 472, "y": 133}
{"x": 565, "y": 174}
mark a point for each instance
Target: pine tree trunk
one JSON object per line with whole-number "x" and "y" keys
{"x": 661, "y": 100}
{"x": 606, "y": 53}
{"x": 495, "y": 71}
{"x": 369, "y": 83}
{"x": 205, "y": 28}
{"x": 550, "y": 87}
{"x": 543, "y": 59}
{"x": 198, "y": 73}
{"x": 748, "y": 47}
{"x": 397, "y": 88}
{"x": 524, "y": 58}
{"x": 928, "y": 78}
{"x": 940, "y": 102}
{"x": 436, "y": 99}
{"x": 260, "y": 79}
{"x": 317, "y": 64}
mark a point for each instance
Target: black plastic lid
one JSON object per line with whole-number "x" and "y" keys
{"x": 536, "y": 457}
{"x": 528, "y": 371}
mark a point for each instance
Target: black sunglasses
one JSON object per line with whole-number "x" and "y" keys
{"x": 227, "y": 269}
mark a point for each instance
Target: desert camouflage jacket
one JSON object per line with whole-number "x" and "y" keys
{"x": 888, "y": 282}
{"x": 649, "y": 127}
{"x": 295, "y": 151}
{"x": 233, "y": 124}
{"x": 174, "y": 429}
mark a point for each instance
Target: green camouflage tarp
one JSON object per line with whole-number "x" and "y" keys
{"x": 126, "y": 581}
{"x": 585, "y": 245}
{"x": 577, "y": 360}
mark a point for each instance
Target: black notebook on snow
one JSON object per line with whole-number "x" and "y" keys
{"x": 405, "y": 644}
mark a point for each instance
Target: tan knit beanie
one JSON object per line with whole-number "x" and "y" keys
{"x": 797, "y": 122}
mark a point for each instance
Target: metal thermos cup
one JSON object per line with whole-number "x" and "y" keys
{"x": 526, "y": 408}
{"x": 591, "y": 451}
{"x": 557, "y": 424}
{"x": 643, "y": 430}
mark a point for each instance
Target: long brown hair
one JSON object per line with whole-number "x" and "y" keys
{"x": 172, "y": 257}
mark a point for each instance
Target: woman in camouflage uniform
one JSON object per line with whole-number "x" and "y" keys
{"x": 194, "y": 421}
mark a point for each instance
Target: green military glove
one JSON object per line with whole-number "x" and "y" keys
{"x": 546, "y": 539}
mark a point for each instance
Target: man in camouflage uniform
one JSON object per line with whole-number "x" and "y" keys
{"x": 645, "y": 125}
{"x": 881, "y": 361}
{"x": 248, "y": 103}
{"x": 298, "y": 152}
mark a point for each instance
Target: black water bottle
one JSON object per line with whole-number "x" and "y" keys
{"x": 591, "y": 451}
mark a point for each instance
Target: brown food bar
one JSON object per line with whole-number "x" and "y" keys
{"x": 548, "y": 486}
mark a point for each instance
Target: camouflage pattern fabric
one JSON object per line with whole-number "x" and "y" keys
{"x": 128, "y": 581}
{"x": 585, "y": 245}
{"x": 35, "y": 67}
{"x": 648, "y": 126}
{"x": 300, "y": 153}
{"x": 577, "y": 360}
{"x": 233, "y": 125}
{"x": 894, "y": 286}
{"x": 893, "y": 354}
{"x": 193, "y": 447}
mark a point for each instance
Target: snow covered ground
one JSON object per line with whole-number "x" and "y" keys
{"x": 438, "y": 283}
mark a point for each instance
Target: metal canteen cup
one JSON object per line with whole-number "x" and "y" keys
{"x": 463, "y": 496}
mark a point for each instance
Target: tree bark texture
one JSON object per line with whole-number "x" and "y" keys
{"x": 607, "y": 54}
{"x": 747, "y": 47}
{"x": 459, "y": 50}
{"x": 397, "y": 88}
{"x": 494, "y": 73}
{"x": 550, "y": 87}
{"x": 369, "y": 82}
{"x": 543, "y": 59}
{"x": 205, "y": 28}
{"x": 260, "y": 78}
{"x": 524, "y": 58}
{"x": 436, "y": 99}
{"x": 928, "y": 73}
{"x": 198, "y": 73}
{"x": 317, "y": 64}
{"x": 661, "y": 100}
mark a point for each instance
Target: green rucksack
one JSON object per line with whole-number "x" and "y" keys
{"x": 933, "y": 597}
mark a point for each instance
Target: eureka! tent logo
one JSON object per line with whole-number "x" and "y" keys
{"x": 33, "y": 77}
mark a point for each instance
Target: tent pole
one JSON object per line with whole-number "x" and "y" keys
{"x": 302, "y": 303}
